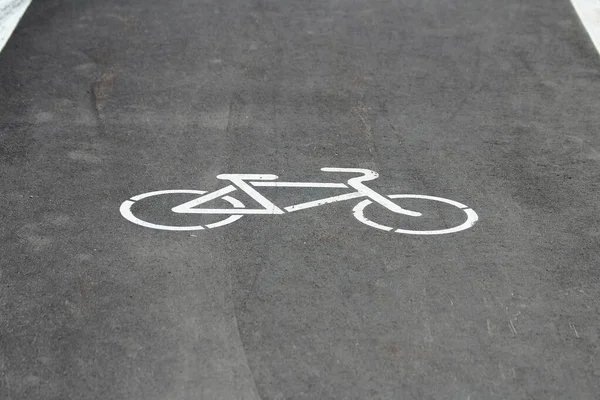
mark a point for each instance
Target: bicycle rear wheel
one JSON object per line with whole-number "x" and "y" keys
{"x": 127, "y": 213}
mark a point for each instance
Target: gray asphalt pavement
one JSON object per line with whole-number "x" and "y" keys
{"x": 493, "y": 104}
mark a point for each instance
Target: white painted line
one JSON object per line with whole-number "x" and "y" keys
{"x": 126, "y": 212}
{"x": 239, "y": 181}
{"x": 188, "y": 207}
{"x": 11, "y": 12}
{"x": 359, "y": 215}
{"x": 299, "y": 184}
{"x": 316, "y": 203}
{"x": 237, "y": 204}
{"x": 589, "y": 13}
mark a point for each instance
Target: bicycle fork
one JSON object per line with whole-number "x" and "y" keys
{"x": 369, "y": 175}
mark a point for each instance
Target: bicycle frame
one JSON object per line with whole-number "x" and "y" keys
{"x": 248, "y": 182}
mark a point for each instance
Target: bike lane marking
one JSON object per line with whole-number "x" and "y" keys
{"x": 239, "y": 209}
{"x": 11, "y": 12}
{"x": 589, "y": 14}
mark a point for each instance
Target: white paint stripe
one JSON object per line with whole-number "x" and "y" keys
{"x": 299, "y": 184}
{"x": 188, "y": 207}
{"x": 11, "y": 12}
{"x": 239, "y": 181}
{"x": 225, "y": 211}
{"x": 589, "y": 13}
{"x": 359, "y": 215}
{"x": 170, "y": 191}
{"x": 471, "y": 220}
{"x": 126, "y": 212}
{"x": 357, "y": 183}
{"x": 328, "y": 200}
{"x": 237, "y": 204}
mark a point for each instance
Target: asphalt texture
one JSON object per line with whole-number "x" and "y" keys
{"x": 494, "y": 104}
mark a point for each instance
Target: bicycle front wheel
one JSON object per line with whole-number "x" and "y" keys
{"x": 469, "y": 216}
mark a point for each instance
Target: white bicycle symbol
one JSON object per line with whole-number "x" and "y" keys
{"x": 247, "y": 183}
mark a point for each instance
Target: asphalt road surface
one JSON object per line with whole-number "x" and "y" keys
{"x": 493, "y": 104}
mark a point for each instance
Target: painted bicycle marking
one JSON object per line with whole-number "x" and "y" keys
{"x": 248, "y": 182}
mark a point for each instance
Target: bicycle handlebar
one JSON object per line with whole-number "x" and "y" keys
{"x": 368, "y": 175}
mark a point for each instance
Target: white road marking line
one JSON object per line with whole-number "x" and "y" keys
{"x": 237, "y": 204}
{"x": 188, "y": 207}
{"x": 239, "y": 181}
{"x": 126, "y": 212}
{"x": 359, "y": 215}
{"x": 589, "y": 13}
{"x": 321, "y": 202}
{"x": 299, "y": 184}
{"x": 11, "y": 12}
